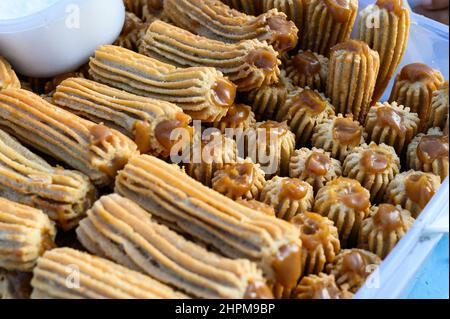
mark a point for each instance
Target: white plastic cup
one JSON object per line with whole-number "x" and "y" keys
{"x": 61, "y": 37}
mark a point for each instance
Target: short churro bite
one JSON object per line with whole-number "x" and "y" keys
{"x": 439, "y": 107}
{"x": 308, "y": 69}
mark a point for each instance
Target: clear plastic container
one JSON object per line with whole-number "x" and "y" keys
{"x": 428, "y": 43}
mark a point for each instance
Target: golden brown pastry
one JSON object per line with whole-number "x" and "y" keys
{"x": 239, "y": 117}
{"x": 320, "y": 286}
{"x": 26, "y": 178}
{"x": 384, "y": 26}
{"x": 289, "y": 196}
{"x": 25, "y": 234}
{"x": 15, "y": 284}
{"x": 271, "y": 144}
{"x": 208, "y": 155}
{"x": 352, "y": 267}
{"x": 304, "y": 110}
{"x": 412, "y": 190}
{"x": 352, "y": 76}
{"x": 414, "y": 87}
{"x": 95, "y": 150}
{"x": 439, "y": 107}
{"x": 118, "y": 229}
{"x": 384, "y": 228}
{"x": 391, "y": 124}
{"x": 147, "y": 10}
{"x": 65, "y": 273}
{"x": 429, "y": 153}
{"x": 241, "y": 180}
{"x": 347, "y": 203}
{"x": 374, "y": 166}
{"x": 326, "y": 23}
{"x": 147, "y": 121}
{"x": 209, "y": 217}
{"x": 215, "y": 20}
{"x": 308, "y": 69}
{"x": 320, "y": 241}
{"x": 249, "y": 64}
{"x": 294, "y": 9}
{"x": 267, "y": 101}
{"x": 8, "y": 78}
{"x": 258, "y": 206}
{"x": 132, "y": 32}
{"x": 203, "y": 93}
{"x": 315, "y": 167}
{"x": 338, "y": 135}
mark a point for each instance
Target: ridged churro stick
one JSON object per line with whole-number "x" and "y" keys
{"x": 8, "y": 78}
{"x": 249, "y": 64}
{"x": 93, "y": 149}
{"x": 201, "y": 92}
{"x": 147, "y": 121}
{"x": 231, "y": 228}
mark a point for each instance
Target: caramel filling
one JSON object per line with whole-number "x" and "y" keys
{"x": 354, "y": 46}
{"x": 292, "y": 189}
{"x": 274, "y": 129}
{"x": 258, "y": 290}
{"x": 432, "y": 148}
{"x": 142, "y": 136}
{"x": 418, "y": 72}
{"x": 236, "y": 116}
{"x": 306, "y": 63}
{"x": 262, "y": 59}
{"x": 284, "y": 36}
{"x": 238, "y": 178}
{"x": 319, "y": 164}
{"x": 314, "y": 232}
{"x": 100, "y": 134}
{"x": 163, "y": 131}
{"x": 311, "y": 101}
{"x": 388, "y": 218}
{"x": 389, "y": 117}
{"x": 114, "y": 166}
{"x": 347, "y": 132}
{"x": 223, "y": 93}
{"x": 353, "y": 195}
{"x": 355, "y": 264}
{"x": 419, "y": 189}
{"x": 375, "y": 161}
{"x": 394, "y": 6}
{"x": 287, "y": 265}
{"x": 339, "y": 9}
{"x": 321, "y": 289}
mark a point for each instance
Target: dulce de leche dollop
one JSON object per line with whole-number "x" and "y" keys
{"x": 388, "y": 218}
{"x": 431, "y": 148}
{"x": 318, "y": 164}
{"x": 419, "y": 189}
{"x": 347, "y": 132}
{"x": 306, "y": 63}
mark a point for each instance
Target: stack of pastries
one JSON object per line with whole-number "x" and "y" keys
{"x": 220, "y": 149}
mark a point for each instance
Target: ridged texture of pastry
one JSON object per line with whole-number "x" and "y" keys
{"x": 320, "y": 286}
{"x": 429, "y": 153}
{"x": 26, "y": 178}
{"x": 95, "y": 150}
{"x": 147, "y": 10}
{"x": 118, "y": 229}
{"x": 207, "y": 216}
{"x": 384, "y": 228}
{"x": 209, "y": 155}
{"x": 268, "y": 100}
{"x": 338, "y": 135}
{"x": 215, "y": 20}
{"x": 352, "y": 75}
{"x": 201, "y": 92}
{"x": 326, "y": 23}
{"x": 248, "y": 64}
{"x": 15, "y": 284}
{"x": 384, "y": 26}
{"x": 414, "y": 87}
{"x": 314, "y": 166}
{"x": 439, "y": 107}
{"x": 239, "y": 117}
{"x": 347, "y": 204}
{"x": 391, "y": 124}
{"x": 132, "y": 32}
{"x": 304, "y": 110}
{"x": 8, "y": 78}
{"x": 258, "y": 206}
{"x": 308, "y": 69}
{"x": 320, "y": 241}
{"x": 242, "y": 180}
{"x": 412, "y": 190}
{"x": 352, "y": 267}
{"x": 294, "y": 9}
{"x": 250, "y": 7}
{"x": 25, "y": 234}
{"x": 147, "y": 121}
{"x": 374, "y": 166}
{"x": 271, "y": 145}
{"x": 288, "y": 196}
{"x": 65, "y": 273}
